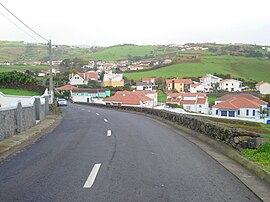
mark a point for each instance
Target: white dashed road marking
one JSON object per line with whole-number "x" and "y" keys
{"x": 109, "y": 133}
{"x": 97, "y": 113}
{"x": 92, "y": 176}
{"x": 105, "y": 120}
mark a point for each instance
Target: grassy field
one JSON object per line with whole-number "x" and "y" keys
{"x": 121, "y": 52}
{"x": 250, "y": 69}
{"x": 22, "y": 68}
{"x": 8, "y": 91}
{"x": 162, "y": 96}
{"x": 260, "y": 128}
{"x": 260, "y": 155}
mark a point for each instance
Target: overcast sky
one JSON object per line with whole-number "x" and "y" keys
{"x": 110, "y": 22}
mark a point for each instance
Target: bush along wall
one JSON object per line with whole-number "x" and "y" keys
{"x": 18, "y": 80}
{"x": 237, "y": 138}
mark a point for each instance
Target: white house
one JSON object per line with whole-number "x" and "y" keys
{"x": 113, "y": 80}
{"x": 197, "y": 88}
{"x": 210, "y": 79}
{"x": 144, "y": 86}
{"x": 88, "y": 95}
{"x": 263, "y": 87}
{"x": 78, "y": 79}
{"x": 230, "y": 85}
{"x": 241, "y": 105}
{"x": 82, "y": 78}
{"x": 192, "y": 102}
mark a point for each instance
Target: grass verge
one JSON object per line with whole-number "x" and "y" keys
{"x": 260, "y": 155}
{"x": 9, "y": 91}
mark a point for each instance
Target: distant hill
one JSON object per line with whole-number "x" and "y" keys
{"x": 19, "y": 52}
{"x": 247, "y": 61}
{"x": 247, "y": 68}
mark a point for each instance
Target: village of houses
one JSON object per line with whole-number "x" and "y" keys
{"x": 188, "y": 96}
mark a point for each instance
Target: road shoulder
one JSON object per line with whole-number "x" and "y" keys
{"x": 19, "y": 141}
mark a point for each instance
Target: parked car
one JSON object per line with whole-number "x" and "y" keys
{"x": 62, "y": 102}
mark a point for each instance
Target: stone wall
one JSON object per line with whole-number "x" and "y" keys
{"x": 237, "y": 138}
{"x": 28, "y": 118}
{"x": 8, "y": 123}
{"x": 15, "y": 120}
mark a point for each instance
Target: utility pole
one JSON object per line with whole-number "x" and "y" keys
{"x": 51, "y": 75}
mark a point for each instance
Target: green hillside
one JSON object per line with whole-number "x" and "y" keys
{"x": 23, "y": 68}
{"x": 15, "y": 51}
{"x": 250, "y": 69}
{"x": 122, "y": 52}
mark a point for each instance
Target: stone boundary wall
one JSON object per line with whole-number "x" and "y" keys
{"x": 16, "y": 120}
{"x": 237, "y": 138}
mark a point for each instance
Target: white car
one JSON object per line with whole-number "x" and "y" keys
{"x": 62, "y": 102}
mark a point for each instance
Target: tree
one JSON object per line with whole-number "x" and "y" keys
{"x": 266, "y": 98}
{"x": 263, "y": 112}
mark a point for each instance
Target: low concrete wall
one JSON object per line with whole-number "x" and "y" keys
{"x": 237, "y": 138}
{"x": 15, "y": 120}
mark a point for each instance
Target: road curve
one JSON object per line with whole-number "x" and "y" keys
{"x": 97, "y": 154}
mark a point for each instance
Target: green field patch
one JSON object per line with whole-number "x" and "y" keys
{"x": 23, "y": 68}
{"x": 162, "y": 97}
{"x": 260, "y": 155}
{"x": 250, "y": 69}
{"x": 121, "y": 52}
{"x": 9, "y": 91}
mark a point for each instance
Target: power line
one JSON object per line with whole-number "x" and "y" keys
{"x": 24, "y": 23}
{"x": 18, "y": 26}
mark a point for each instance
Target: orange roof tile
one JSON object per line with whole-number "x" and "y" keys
{"x": 127, "y": 97}
{"x": 67, "y": 87}
{"x": 237, "y": 101}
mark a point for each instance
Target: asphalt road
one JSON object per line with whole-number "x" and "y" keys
{"x": 137, "y": 160}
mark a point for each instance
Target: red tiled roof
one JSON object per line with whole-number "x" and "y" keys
{"x": 169, "y": 100}
{"x": 91, "y": 75}
{"x": 237, "y": 101}
{"x": 185, "y": 81}
{"x": 127, "y": 97}
{"x": 144, "y": 92}
{"x": 148, "y": 79}
{"x": 232, "y": 95}
{"x": 195, "y": 84}
{"x": 67, "y": 87}
{"x": 261, "y": 83}
{"x": 201, "y": 98}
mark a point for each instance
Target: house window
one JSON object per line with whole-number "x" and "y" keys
{"x": 216, "y": 112}
{"x": 238, "y": 112}
{"x": 231, "y": 113}
{"x": 253, "y": 113}
{"x": 226, "y": 89}
{"x": 226, "y": 84}
{"x": 223, "y": 113}
{"x": 232, "y": 89}
{"x": 247, "y": 112}
{"x": 200, "y": 106}
{"x": 232, "y": 84}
